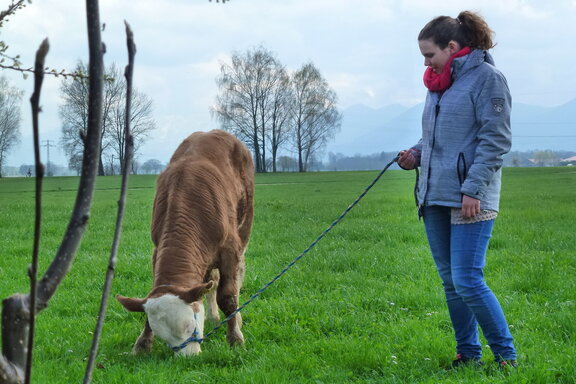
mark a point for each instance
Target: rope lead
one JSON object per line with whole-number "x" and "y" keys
{"x": 291, "y": 264}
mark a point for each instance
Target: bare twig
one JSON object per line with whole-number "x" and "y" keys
{"x": 52, "y": 72}
{"x": 18, "y": 311}
{"x": 121, "y": 206}
{"x": 35, "y": 102}
{"x": 81, "y": 213}
{"x": 13, "y": 7}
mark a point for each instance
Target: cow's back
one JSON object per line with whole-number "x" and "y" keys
{"x": 221, "y": 149}
{"x": 209, "y": 180}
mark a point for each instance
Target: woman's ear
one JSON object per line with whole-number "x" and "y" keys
{"x": 453, "y": 47}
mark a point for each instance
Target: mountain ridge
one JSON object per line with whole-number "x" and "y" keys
{"x": 366, "y": 130}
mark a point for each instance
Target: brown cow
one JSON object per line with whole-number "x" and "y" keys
{"x": 201, "y": 224}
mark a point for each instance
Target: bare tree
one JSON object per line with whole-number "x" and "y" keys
{"x": 73, "y": 114}
{"x": 141, "y": 124}
{"x": 10, "y": 118}
{"x": 316, "y": 118}
{"x": 246, "y": 100}
{"x": 279, "y": 110}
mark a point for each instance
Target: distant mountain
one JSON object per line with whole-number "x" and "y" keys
{"x": 362, "y": 128}
{"x": 544, "y": 128}
{"x": 367, "y": 130}
{"x": 360, "y": 119}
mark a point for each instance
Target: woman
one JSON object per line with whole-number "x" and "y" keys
{"x": 465, "y": 132}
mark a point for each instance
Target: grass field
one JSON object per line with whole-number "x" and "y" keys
{"x": 364, "y": 306}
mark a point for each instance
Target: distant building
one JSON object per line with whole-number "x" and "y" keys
{"x": 569, "y": 161}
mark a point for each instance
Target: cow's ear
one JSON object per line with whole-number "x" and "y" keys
{"x": 133, "y": 305}
{"x": 196, "y": 293}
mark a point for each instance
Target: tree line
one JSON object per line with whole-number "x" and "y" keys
{"x": 278, "y": 114}
{"x": 359, "y": 162}
{"x": 74, "y": 119}
{"x": 272, "y": 110}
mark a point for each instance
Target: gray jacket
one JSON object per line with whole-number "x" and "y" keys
{"x": 465, "y": 132}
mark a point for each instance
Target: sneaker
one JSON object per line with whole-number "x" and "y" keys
{"x": 503, "y": 364}
{"x": 463, "y": 361}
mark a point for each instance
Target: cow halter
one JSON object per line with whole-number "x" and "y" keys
{"x": 192, "y": 339}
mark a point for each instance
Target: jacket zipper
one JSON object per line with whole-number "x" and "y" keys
{"x": 436, "y": 113}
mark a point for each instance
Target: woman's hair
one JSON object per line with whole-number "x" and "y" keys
{"x": 469, "y": 30}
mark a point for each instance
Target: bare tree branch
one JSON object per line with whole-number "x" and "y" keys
{"x": 121, "y": 206}
{"x": 18, "y": 310}
{"x": 15, "y": 320}
{"x": 35, "y": 102}
{"x": 13, "y": 7}
{"x": 52, "y": 72}
{"x": 81, "y": 213}
{"x": 9, "y": 373}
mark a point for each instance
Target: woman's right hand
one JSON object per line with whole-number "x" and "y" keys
{"x": 406, "y": 160}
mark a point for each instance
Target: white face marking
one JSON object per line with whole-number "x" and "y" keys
{"x": 172, "y": 320}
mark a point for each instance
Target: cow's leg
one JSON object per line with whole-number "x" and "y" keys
{"x": 231, "y": 272}
{"x": 144, "y": 341}
{"x": 212, "y": 313}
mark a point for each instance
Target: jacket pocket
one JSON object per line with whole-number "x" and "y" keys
{"x": 461, "y": 168}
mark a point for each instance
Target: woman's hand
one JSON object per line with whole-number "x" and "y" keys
{"x": 406, "y": 160}
{"x": 470, "y": 207}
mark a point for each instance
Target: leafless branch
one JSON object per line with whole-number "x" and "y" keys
{"x": 46, "y": 71}
{"x": 9, "y": 373}
{"x": 35, "y": 102}
{"x": 121, "y": 206}
{"x": 13, "y": 7}
{"x": 15, "y": 320}
{"x": 81, "y": 213}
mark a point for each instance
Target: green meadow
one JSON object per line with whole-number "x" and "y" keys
{"x": 364, "y": 306}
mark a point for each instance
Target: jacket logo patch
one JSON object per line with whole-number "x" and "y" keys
{"x": 498, "y": 105}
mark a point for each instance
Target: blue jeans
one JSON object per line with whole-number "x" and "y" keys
{"x": 459, "y": 252}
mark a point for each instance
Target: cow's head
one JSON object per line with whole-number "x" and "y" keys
{"x": 174, "y": 314}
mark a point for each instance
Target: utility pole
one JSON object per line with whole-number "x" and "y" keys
{"x": 48, "y": 145}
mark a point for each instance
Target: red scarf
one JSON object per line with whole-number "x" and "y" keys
{"x": 441, "y": 82}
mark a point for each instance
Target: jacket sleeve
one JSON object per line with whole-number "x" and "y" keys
{"x": 417, "y": 152}
{"x": 492, "y": 107}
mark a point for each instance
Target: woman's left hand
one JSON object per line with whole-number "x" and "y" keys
{"x": 470, "y": 207}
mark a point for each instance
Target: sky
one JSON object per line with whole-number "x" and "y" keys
{"x": 367, "y": 50}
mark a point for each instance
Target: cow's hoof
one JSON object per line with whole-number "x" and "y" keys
{"x": 142, "y": 347}
{"x": 235, "y": 340}
{"x": 214, "y": 319}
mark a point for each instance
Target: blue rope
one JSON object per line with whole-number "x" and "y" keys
{"x": 265, "y": 287}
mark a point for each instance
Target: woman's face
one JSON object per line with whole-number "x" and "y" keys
{"x": 434, "y": 56}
